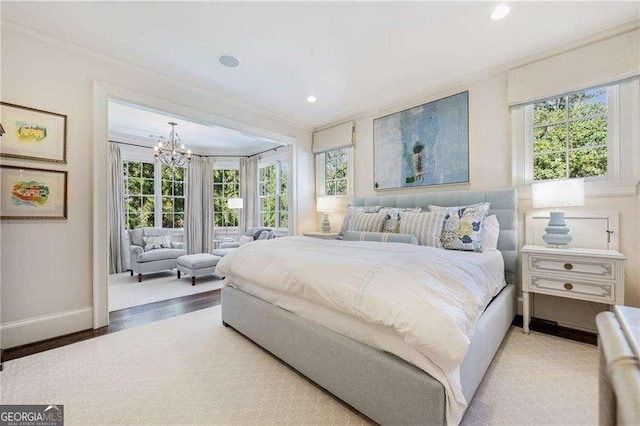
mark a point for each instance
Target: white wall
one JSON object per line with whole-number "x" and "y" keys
{"x": 490, "y": 168}
{"x": 46, "y": 266}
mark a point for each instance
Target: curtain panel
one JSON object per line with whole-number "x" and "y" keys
{"x": 115, "y": 210}
{"x": 249, "y": 216}
{"x": 198, "y": 222}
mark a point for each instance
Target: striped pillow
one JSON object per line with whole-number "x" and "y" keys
{"x": 426, "y": 226}
{"x": 367, "y": 222}
{"x": 383, "y": 237}
{"x": 350, "y": 210}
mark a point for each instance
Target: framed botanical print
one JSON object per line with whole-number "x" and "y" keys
{"x": 28, "y": 193}
{"x": 33, "y": 134}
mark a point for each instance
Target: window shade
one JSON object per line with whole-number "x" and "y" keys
{"x": 333, "y": 138}
{"x": 607, "y": 61}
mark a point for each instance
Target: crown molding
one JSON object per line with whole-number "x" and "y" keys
{"x": 458, "y": 84}
{"x": 148, "y": 143}
{"x": 44, "y": 37}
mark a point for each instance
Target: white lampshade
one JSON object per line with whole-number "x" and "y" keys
{"x": 234, "y": 203}
{"x": 558, "y": 193}
{"x": 326, "y": 204}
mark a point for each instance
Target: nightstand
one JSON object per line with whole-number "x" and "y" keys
{"x": 584, "y": 274}
{"x": 321, "y": 235}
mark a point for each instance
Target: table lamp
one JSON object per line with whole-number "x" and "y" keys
{"x": 326, "y": 205}
{"x": 555, "y": 194}
{"x": 234, "y": 203}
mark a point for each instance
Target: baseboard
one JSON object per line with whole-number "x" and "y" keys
{"x": 31, "y": 330}
{"x": 556, "y": 329}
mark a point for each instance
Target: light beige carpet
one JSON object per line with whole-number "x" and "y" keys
{"x": 192, "y": 370}
{"x": 125, "y": 291}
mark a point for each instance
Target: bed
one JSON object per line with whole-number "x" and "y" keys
{"x": 377, "y": 382}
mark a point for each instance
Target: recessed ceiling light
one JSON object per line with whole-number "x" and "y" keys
{"x": 311, "y": 99}
{"x": 228, "y": 61}
{"x": 500, "y": 12}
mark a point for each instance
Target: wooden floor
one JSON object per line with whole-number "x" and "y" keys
{"x": 123, "y": 319}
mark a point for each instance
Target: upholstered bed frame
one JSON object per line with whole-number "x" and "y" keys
{"x": 382, "y": 386}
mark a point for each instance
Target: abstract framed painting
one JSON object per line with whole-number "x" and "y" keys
{"x": 32, "y": 193}
{"x": 423, "y": 145}
{"x": 33, "y": 134}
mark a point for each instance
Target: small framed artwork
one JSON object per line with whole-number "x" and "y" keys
{"x": 32, "y": 193}
{"x": 33, "y": 134}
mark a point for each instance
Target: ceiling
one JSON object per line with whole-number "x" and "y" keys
{"x": 352, "y": 56}
{"x": 128, "y": 123}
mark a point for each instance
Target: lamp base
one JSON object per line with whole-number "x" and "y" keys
{"x": 557, "y": 232}
{"x": 326, "y": 226}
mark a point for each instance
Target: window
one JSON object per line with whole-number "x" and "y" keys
{"x": 336, "y": 165}
{"x": 172, "y": 180}
{"x": 334, "y": 172}
{"x": 226, "y": 184}
{"x": 570, "y": 136}
{"x": 273, "y": 193}
{"x": 139, "y": 197}
{"x": 154, "y": 195}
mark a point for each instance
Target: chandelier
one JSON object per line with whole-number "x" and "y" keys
{"x": 171, "y": 151}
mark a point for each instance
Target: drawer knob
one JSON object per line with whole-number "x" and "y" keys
{"x": 568, "y": 286}
{"x": 568, "y": 266}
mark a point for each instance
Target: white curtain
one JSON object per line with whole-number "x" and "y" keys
{"x": 198, "y": 222}
{"x": 115, "y": 211}
{"x": 249, "y": 216}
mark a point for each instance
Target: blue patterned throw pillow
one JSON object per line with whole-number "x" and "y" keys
{"x": 462, "y": 228}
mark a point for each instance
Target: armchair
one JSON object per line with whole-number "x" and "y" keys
{"x": 251, "y": 234}
{"x": 153, "y": 259}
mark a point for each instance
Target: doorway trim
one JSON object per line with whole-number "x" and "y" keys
{"x": 102, "y": 94}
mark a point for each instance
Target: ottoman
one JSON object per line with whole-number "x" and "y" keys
{"x": 197, "y": 265}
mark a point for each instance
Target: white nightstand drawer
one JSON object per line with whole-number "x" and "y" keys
{"x": 603, "y": 291}
{"x": 601, "y": 268}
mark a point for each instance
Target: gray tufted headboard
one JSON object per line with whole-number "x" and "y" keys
{"x": 504, "y": 204}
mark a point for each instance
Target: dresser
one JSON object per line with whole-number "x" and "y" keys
{"x": 593, "y": 275}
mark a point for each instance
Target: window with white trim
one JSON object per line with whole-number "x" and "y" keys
{"x": 154, "y": 195}
{"x": 334, "y": 172}
{"x": 139, "y": 194}
{"x": 172, "y": 181}
{"x": 226, "y": 184}
{"x": 569, "y": 135}
{"x": 273, "y": 194}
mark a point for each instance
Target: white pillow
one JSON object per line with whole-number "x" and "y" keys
{"x": 244, "y": 239}
{"x": 426, "y": 226}
{"x": 490, "y": 232}
{"x": 157, "y": 242}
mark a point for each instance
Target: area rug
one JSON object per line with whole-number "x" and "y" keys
{"x": 192, "y": 370}
{"x": 125, "y": 291}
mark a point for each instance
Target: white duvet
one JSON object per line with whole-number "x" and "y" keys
{"x": 430, "y": 297}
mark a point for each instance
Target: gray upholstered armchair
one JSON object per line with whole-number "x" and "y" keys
{"x": 152, "y": 250}
{"x": 251, "y": 234}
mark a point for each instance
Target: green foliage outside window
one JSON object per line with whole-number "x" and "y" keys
{"x": 273, "y": 194}
{"x": 226, "y": 184}
{"x": 335, "y": 171}
{"x": 139, "y": 198}
{"x": 173, "y": 193}
{"x": 570, "y": 136}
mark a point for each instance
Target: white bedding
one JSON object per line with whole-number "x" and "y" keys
{"x": 419, "y": 303}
